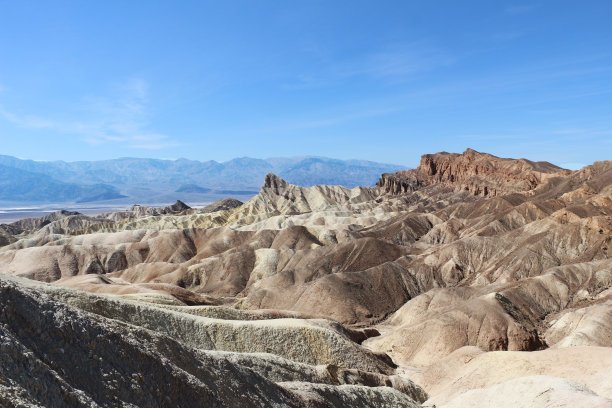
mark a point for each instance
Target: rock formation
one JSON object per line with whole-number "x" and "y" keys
{"x": 222, "y": 205}
{"x": 68, "y": 348}
{"x": 329, "y": 296}
{"x": 480, "y": 174}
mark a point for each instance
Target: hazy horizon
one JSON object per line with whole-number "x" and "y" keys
{"x": 202, "y": 160}
{"x": 567, "y": 165}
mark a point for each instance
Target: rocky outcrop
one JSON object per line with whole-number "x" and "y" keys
{"x": 56, "y": 355}
{"x": 222, "y": 205}
{"x": 32, "y": 224}
{"x": 278, "y": 196}
{"x": 480, "y": 174}
{"x": 476, "y": 253}
{"x": 69, "y": 348}
{"x": 137, "y": 211}
{"x": 349, "y": 396}
{"x": 6, "y": 236}
{"x": 272, "y": 181}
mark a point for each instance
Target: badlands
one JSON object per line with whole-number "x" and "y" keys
{"x": 471, "y": 281}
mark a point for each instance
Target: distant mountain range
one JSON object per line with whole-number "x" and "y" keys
{"x": 155, "y": 181}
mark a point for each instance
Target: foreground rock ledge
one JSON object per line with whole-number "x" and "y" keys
{"x": 56, "y": 353}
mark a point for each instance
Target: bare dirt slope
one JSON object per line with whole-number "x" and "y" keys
{"x": 468, "y": 253}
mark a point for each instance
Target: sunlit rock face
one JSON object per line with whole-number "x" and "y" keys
{"x": 479, "y": 173}
{"x": 324, "y": 295}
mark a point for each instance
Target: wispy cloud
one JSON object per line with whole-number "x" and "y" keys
{"x": 28, "y": 121}
{"x": 121, "y": 117}
{"x": 393, "y": 63}
{"x": 439, "y": 94}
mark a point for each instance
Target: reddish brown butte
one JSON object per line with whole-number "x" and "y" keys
{"x": 481, "y": 174}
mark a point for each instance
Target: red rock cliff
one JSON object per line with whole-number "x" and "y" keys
{"x": 479, "y": 173}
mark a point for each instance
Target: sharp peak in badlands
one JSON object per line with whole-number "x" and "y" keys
{"x": 325, "y": 296}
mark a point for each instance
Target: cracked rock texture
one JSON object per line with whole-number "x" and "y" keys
{"x": 59, "y": 348}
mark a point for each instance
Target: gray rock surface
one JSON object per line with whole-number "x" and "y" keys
{"x": 464, "y": 265}
{"x": 61, "y": 347}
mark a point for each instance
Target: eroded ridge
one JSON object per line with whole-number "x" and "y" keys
{"x": 323, "y": 295}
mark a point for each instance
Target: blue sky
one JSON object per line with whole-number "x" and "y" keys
{"x": 379, "y": 80}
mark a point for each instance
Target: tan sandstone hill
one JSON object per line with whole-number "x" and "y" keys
{"x": 326, "y": 291}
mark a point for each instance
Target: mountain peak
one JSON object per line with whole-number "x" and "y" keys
{"x": 179, "y": 206}
{"x": 273, "y": 181}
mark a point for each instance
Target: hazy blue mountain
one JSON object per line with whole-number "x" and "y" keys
{"x": 18, "y": 185}
{"x": 349, "y": 173}
{"x": 154, "y": 180}
{"x": 192, "y": 188}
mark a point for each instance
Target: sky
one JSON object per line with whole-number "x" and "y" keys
{"x": 385, "y": 81}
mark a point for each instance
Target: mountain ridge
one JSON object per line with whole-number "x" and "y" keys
{"x": 334, "y": 292}
{"x": 152, "y": 180}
